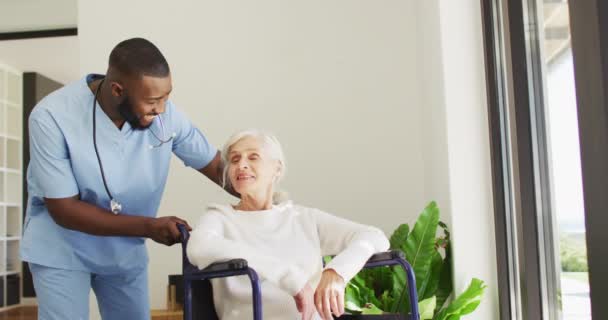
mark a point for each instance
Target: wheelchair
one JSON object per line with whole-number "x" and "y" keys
{"x": 198, "y": 297}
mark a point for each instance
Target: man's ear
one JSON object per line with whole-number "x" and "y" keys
{"x": 117, "y": 89}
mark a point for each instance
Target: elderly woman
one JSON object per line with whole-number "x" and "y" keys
{"x": 282, "y": 241}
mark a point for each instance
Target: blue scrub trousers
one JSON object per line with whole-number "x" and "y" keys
{"x": 64, "y": 294}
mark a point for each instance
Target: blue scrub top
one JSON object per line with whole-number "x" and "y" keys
{"x": 63, "y": 164}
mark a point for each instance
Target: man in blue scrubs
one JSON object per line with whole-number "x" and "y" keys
{"x": 100, "y": 150}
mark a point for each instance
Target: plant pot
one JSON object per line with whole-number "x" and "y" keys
{"x": 388, "y": 316}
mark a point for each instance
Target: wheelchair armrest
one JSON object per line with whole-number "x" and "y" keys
{"x": 386, "y": 256}
{"x": 382, "y": 258}
{"x": 230, "y": 267}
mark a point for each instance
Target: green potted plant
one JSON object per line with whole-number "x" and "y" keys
{"x": 381, "y": 293}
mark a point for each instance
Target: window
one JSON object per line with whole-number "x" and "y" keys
{"x": 534, "y": 109}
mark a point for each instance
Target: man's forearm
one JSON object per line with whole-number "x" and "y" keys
{"x": 214, "y": 172}
{"x": 81, "y": 216}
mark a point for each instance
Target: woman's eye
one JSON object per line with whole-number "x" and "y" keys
{"x": 234, "y": 160}
{"x": 254, "y": 157}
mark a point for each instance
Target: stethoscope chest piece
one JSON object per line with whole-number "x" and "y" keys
{"x": 115, "y": 206}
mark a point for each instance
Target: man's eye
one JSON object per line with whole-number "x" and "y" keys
{"x": 254, "y": 157}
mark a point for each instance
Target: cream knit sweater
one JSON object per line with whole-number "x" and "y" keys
{"x": 284, "y": 245}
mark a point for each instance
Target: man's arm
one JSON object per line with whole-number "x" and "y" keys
{"x": 214, "y": 171}
{"x": 193, "y": 148}
{"x": 72, "y": 213}
{"x": 51, "y": 166}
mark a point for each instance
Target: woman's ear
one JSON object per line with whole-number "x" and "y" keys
{"x": 279, "y": 169}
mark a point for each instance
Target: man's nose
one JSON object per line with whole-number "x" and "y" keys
{"x": 160, "y": 109}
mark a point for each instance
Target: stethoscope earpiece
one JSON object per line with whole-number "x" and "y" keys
{"x": 164, "y": 139}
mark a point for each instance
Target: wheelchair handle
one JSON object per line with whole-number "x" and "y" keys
{"x": 184, "y": 234}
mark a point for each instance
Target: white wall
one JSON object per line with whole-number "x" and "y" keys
{"x": 55, "y": 58}
{"x": 336, "y": 81}
{"x": 28, "y": 15}
{"x": 457, "y": 145}
{"x": 432, "y": 104}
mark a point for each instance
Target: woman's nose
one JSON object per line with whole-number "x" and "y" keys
{"x": 243, "y": 164}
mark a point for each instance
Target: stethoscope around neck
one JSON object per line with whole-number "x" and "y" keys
{"x": 115, "y": 206}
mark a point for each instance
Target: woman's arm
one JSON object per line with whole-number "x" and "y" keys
{"x": 207, "y": 245}
{"x": 351, "y": 242}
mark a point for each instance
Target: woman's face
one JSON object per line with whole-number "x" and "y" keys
{"x": 251, "y": 170}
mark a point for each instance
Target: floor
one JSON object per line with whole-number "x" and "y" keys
{"x": 20, "y": 313}
{"x": 31, "y": 313}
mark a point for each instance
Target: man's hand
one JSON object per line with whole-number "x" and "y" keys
{"x": 305, "y": 303}
{"x": 329, "y": 296}
{"x": 164, "y": 230}
{"x": 214, "y": 171}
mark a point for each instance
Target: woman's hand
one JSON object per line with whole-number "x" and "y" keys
{"x": 329, "y": 296}
{"x": 305, "y": 303}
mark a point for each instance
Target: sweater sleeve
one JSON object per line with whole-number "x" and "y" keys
{"x": 351, "y": 242}
{"x": 208, "y": 245}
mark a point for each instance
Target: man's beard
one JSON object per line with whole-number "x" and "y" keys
{"x": 125, "y": 108}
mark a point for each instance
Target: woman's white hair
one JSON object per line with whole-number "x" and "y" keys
{"x": 271, "y": 144}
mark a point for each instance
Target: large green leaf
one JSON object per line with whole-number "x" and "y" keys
{"x": 371, "y": 286}
{"x": 358, "y": 294}
{"x": 430, "y": 284}
{"x": 399, "y": 237}
{"x": 387, "y": 300}
{"x": 445, "y": 286}
{"x": 379, "y": 278}
{"x": 352, "y": 299}
{"x": 426, "y": 308}
{"x": 370, "y": 308}
{"x": 465, "y": 303}
{"x": 352, "y": 307}
{"x": 400, "y": 291}
{"x": 366, "y": 293}
{"x": 420, "y": 245}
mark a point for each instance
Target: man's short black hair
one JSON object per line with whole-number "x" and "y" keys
{"x": 138, "y": 57}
